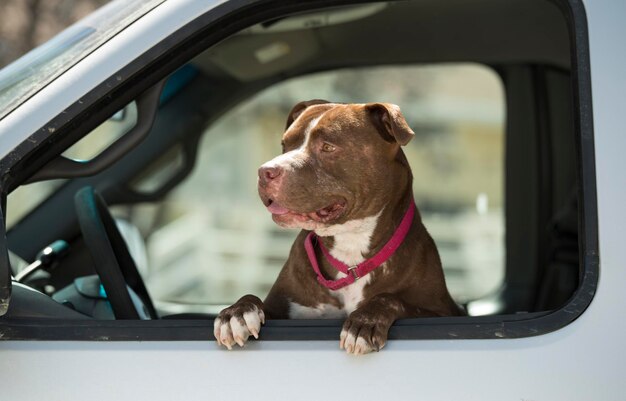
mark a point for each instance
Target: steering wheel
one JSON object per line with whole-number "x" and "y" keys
{"x": 109, "y": 252}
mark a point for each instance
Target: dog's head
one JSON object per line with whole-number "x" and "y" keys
{"x": 340, "y": 162}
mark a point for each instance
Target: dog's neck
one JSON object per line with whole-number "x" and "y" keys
{"x": 348, "y": 242}
{"x": 357, "y": 240}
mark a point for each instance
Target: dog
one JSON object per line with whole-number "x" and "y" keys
{"x": 363, "y": 253}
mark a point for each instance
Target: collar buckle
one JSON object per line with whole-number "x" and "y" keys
{"x": 352, "y": 269}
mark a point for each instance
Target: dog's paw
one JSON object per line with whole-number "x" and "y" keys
{"x": 362, "y": 334}
{"x": 234, "y": 325}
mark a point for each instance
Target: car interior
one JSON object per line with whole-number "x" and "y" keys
{"x": 80, "y": 240}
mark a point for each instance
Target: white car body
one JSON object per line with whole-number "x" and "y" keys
{"x": 581, "y": 361}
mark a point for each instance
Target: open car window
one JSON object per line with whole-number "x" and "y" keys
{"x": 497, "y": 173}
{"x": 211, "y": 240}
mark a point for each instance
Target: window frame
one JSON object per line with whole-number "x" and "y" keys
{"x": 215, "y": 25}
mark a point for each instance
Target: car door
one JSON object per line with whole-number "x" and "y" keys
{"x": 567, "y": 350}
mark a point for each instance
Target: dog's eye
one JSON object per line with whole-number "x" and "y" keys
{"x": 327, "y": 147}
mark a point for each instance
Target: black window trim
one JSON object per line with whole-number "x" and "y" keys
{"x": 208, "y": 29}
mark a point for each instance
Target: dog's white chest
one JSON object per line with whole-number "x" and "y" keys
{"x": 320, "y": 311}
{"x": 352, "y": 240}
{"x": 351, "y": 295}
{"x": 349, "y": 298}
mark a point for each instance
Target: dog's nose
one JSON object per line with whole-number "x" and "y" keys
{"x": 267, "y": 174}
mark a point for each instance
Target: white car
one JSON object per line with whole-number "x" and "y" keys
{"x": 128, "y": 153}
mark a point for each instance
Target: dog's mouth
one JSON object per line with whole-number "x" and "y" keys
{"x": 323, "y": 215}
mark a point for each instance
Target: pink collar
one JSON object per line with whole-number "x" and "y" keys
{"x": 364, "y": 267}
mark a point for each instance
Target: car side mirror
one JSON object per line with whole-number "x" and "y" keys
{"x": 104, "y": 135}
{"x": 5, "y": 269}
{"x": 63, "y": 167}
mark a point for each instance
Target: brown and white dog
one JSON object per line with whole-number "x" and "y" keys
{"x": 344, "y": 180}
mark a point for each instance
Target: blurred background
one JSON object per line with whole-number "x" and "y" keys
{"x": 29, "y": 23}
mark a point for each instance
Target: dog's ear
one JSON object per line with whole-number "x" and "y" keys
{"x": 390, "y": 122}
{"x": 299, "y": 108}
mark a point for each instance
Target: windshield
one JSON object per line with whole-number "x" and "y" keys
{"x": 27, "y": 75}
